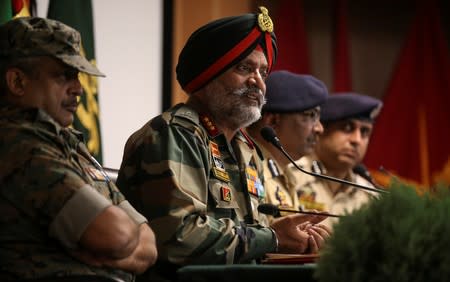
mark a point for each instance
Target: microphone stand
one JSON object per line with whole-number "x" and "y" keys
{"x": 269, "y": 135}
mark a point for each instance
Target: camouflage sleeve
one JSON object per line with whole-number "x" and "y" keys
{"x": 47, "y": 185}
{"x": 165, "y": 174}
{"x": 132, "y": 212}
{"x": 71, "y": 221}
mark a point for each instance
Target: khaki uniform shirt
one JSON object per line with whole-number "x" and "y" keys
{"x": 51, "y": 189}
{"x": 280, "y": 182}
{"x": 314, "y": 193}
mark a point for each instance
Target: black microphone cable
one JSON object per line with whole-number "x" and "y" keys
{"x": 270, "y": 136}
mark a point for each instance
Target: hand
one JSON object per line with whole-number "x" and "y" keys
{"x": 319, "y": 233}
{"x": 293, "y": 233}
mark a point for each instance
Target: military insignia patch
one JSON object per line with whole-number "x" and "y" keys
{"x": 222, "y": 175}
{"x": 307, "y": 201}
{"x": 209, "y": 125}
{"x": 254, "y": 185}
{"x": 264, "y": 21}
{"x": 218, "y": 164}
{"x": 273, "y": 168}
{"x": 226, "y": 194}
{"x": 281, "y": 197}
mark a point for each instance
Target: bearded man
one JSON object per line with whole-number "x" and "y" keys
{"x": 194, "y": 173}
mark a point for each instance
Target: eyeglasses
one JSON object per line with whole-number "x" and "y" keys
{"x": 312, "y": 115}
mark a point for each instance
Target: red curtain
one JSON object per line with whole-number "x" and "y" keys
{"x": 411, "y": 135}
{"x": 291, "y": 37}
{"x": 342, "y": 73}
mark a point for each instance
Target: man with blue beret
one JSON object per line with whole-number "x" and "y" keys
{"x": 293, "y": 111}
{"x": 348, "y": 120}
{"x": 193, "y": 172}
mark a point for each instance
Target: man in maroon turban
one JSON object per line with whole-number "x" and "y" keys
{"x": 195, "y": 175}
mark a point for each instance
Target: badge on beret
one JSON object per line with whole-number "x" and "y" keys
{"x": 376, "y": 111}
{"x": 264, "y": 21}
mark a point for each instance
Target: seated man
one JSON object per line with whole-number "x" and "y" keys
{"x": 61, "y": 217}
{"x": 192, "y": 170}
{"x": 293, "y": 111}
{"x": 348, "y": 120}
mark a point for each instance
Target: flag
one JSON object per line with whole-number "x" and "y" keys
{"x": 78, "y": 14}
{"x": 14, "y": 8}
{"x": 411, "y": 134}
{"x": 5, "y": 11}
{"x": 291, "y": 37}
{"x": 342, "y": 74}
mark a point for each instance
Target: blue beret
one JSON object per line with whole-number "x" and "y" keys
{"x": 290, "y": 92}
{"x": 341, "y": 106}
{"x": 215, "y": 47}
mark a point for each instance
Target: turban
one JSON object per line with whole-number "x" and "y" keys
{"x": 289, "y": 92}
{"x": 350, "y": 106}
{"x": 215, "y": 47}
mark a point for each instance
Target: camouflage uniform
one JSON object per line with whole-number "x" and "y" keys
{"x": 46, "y": 175}
{"x": 279, "y": 182}
{"x": 199, "y": 192}
{"x": 314, "y": 193}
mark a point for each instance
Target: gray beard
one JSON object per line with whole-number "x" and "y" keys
{"x": 230, "y": 110}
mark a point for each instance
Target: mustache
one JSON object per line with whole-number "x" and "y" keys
{"x": 71, "y": 103}
{"x": 313, "y": 138}
{"x": 251, "y": 92}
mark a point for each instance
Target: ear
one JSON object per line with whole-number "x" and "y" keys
{"x": 16, "y": 80}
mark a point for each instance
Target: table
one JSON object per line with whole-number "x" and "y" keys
{"x": 247, "y": 273}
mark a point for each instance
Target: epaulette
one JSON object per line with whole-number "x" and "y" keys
{"x": 209, "y": 124}
{"x": 317, "y": 167}
{"x": 273, "y": 168}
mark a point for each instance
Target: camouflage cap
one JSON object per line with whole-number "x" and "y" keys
{"x": 33, "y": 36}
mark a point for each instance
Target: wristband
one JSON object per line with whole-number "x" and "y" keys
{"x": 276, "y": 238}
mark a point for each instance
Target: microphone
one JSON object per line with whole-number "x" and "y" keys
{"x": 275, "y": 211}
{"x": 364, "y": 173}
{"x": 270, "y": 136}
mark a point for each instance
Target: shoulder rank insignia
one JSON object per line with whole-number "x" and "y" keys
{"x": 210, "y": 126}
{"x": 218, "y": 165}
